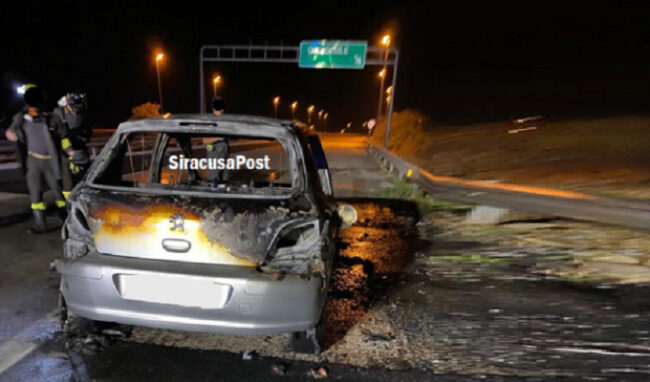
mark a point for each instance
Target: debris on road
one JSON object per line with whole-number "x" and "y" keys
{"x": 114, "y": 333}
{"x": 249, "y": 355}
{"x": 57, "y": 354}
{"x": 318, "y": 373}
{"x": 280, "y": 368}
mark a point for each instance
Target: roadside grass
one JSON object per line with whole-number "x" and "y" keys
{"x": 473, "y": 258}
{"x": 488, "y": 231}
{"x": 402, "y": 189}
{"x": 562, "y": 153}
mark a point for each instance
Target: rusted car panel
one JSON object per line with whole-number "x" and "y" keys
{"x": 258, "y": 260}
{"x": 221, "y": 232}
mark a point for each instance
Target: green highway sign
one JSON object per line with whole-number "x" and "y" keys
{"x": 334, "y": 54}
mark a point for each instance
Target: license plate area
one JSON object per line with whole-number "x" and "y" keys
{"x": 187, "y": 291}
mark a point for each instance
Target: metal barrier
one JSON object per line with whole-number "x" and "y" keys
{"x": 394, "y": 164}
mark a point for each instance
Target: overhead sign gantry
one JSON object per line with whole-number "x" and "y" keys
{"x": 311, "y": 54}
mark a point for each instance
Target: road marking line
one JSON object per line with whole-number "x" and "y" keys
{"x": 29, "y": 339}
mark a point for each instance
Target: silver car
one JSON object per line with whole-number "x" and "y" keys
{"x": 202, "y": 223}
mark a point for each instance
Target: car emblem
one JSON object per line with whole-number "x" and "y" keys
{"x": 177, "y": 223}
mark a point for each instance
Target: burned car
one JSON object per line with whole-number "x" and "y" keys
{"x": 215, "y": 224}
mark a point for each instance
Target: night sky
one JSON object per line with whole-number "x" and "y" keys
{"x": 459, "y": 64}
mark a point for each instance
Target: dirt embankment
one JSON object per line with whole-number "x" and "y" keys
{"x": 609, "y": 156}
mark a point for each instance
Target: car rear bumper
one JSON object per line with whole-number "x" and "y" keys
{"x": 255, "y": 302}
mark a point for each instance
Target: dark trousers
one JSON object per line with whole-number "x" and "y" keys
{"x": 67, "y": 179}
{"x": 37, "y": 169}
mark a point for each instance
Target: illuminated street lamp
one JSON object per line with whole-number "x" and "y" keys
{"x": 389, "y": 91}
{"x": 294, "y": 105}
{"x": 215, "y": 82}
{"x": 320, "y": 116}
{"x": 276, "y": 102}
{"x": 385, "y": 41}
{"x": 310, "y": 110}
{"x": 325, "y": 120}
{"x": 159, "y": 57}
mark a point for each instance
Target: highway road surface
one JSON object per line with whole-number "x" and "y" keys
{"x": 487, "y": 314}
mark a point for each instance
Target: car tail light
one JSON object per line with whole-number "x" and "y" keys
{"x": 298, "y": 249}
{"x": 297, "y": 235}
{"x": 76, "y": 235}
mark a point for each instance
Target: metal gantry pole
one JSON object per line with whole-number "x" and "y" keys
{"x": 201, "y": 84}
{"x": 389, "y": 118}
{"x": 293, "y": 59}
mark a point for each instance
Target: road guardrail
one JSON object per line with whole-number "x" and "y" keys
{"x": 536, "y": 200}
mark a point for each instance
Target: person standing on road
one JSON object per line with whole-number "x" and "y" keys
{"x": 71, "y": 113}
{"x": 36, "y": 133}
{"x": 218, "y": 106}
{"x": 219, "y": 148}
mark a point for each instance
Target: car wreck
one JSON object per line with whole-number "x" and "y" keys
{"x": 211, "y": 245}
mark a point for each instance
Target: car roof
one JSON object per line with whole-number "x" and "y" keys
{"x": 227, "y": 122}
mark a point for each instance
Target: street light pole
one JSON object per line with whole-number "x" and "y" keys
{"x": 320, "y": 116}
{"x": 159, "y": 57}
{"x": 310, "y": 110}
{"x": 294, "y": 105}
{"x": 386, "y": 42}
{"x": 389, "y": 117}
{"x": 215, "y": 83}
{"x": 276, "y": 101}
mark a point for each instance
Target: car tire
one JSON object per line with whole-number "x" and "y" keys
{"x": 308, "y": 341}
{"x": 73, "y": 324}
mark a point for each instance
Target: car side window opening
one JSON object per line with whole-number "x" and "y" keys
{"x": 320, "y": 161}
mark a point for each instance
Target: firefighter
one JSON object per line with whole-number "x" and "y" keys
{"x": 71, "y": 113}
{"x": 38, "y": 135}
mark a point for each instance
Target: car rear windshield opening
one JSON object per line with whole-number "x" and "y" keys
{"x": 197, "y": 162}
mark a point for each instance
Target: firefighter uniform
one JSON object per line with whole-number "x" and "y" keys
{"x": 78, "y": 134}
{"x": 37, "y": 137}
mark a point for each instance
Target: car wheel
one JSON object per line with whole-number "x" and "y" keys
{"x": 72, "y": 324}
{"x": 309, "y": 341}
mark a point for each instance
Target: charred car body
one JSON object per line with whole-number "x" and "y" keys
{"x": 229, "y": 249}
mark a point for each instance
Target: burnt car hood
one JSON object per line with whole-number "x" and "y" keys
{"x": 237, "y": 231}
